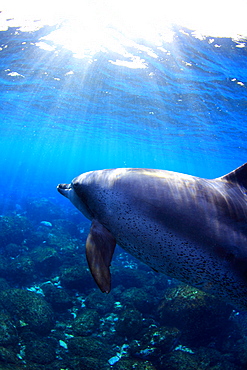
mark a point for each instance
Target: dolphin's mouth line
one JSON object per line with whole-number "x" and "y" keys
{"x": 64, "y": 189}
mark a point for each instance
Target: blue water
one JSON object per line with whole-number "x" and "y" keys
{"x": 60, "y": 115}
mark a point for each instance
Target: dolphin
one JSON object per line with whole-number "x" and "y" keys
{"x": 189, "y": 228}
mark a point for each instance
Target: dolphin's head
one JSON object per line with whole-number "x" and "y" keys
{"x": 77, "y": 194}
{"x": 65, "y": 190}
{"x": 87, "y": 190}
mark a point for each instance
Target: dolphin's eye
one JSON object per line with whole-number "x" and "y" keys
{"x": 78, "y": 188}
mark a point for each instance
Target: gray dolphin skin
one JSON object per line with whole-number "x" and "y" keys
{"x": 189, "y": 228}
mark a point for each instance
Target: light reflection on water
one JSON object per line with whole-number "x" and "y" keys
{"x": 88, "y": 28}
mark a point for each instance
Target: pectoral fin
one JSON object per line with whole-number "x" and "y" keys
{"x": 100, "y": 246}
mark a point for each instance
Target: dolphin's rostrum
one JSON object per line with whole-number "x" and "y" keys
{"x": 187, "y": 227}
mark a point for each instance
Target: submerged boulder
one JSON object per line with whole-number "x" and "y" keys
{"x": 12, "y": 250}
{"x": 129, "y": 323}
{"x": 90, "y": 363}
{"x": 103, "y": 303}
{"x": 128, "y": 363}
{"x": 8, "y": 331}
{"x": 4, "y": 284}
{"x": 14, "y": 229}
{"x": 46, "y": 259}
{"x": 76, "y": 277}
{"x": 86, "y": 323}
{"x": 129, "y": 277}
{"x": 29, "y": 308}
{"x": 140, "y": 299}
{"x": 21, "y": 270}
{"x": 66, "y": 227}
{"x": 59, "y": 299}
{"x": 198, "y": 315}
{"x": 179, "y": 360}
{"x": 90, "y": 347}
{"x": 155, "y": 342}
{"x": 42, "y": 209}
{"x": 7, "y": 358}
{"x": 41, "y": 351}
{"x": 62, "y": 242}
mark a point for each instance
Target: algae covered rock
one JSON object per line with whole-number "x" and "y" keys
{"x": 21, "y": 270}
{"x": 129, "y": 277}
{"x": 238, "y": 349}
{"x": 13, "y": 229}
{"x": 90, "y": 363}
{"x": 86, "y": 323}
{"x": 57, "y": 297}
{"x": 140, "y": 299}
{"x": 129, "y": 323}
{"x": 41, "y": 351}
{"x": 155, "y": 342}
{"x": 4, "y": 284}
{"x": 65, "y": 226}
{"x": 128, "y": 363}
{"x": 8, "y": 331}
{"x": 8, "y": 356}
{"x": 179, "y": 360}
{"x": 90, "y": 347}
{"x": 62, "y": 242}
{"x": 215, "y": 360}
{"x": 103, "y": 303}
{"x": 46, "y": 259}
{"x": 12, "y": 250}
{"x": 28, "y": 307}
{"x": 203, "y": 359}
{"x": 42, "y": 209}
{"x": 200, "y": 316}
{"x": 76, "y": 277}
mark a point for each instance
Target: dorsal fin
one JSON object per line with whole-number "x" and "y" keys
{"x": 238, "y": 176}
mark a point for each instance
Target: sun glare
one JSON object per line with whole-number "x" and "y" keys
{"x": 88, "y": 27}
